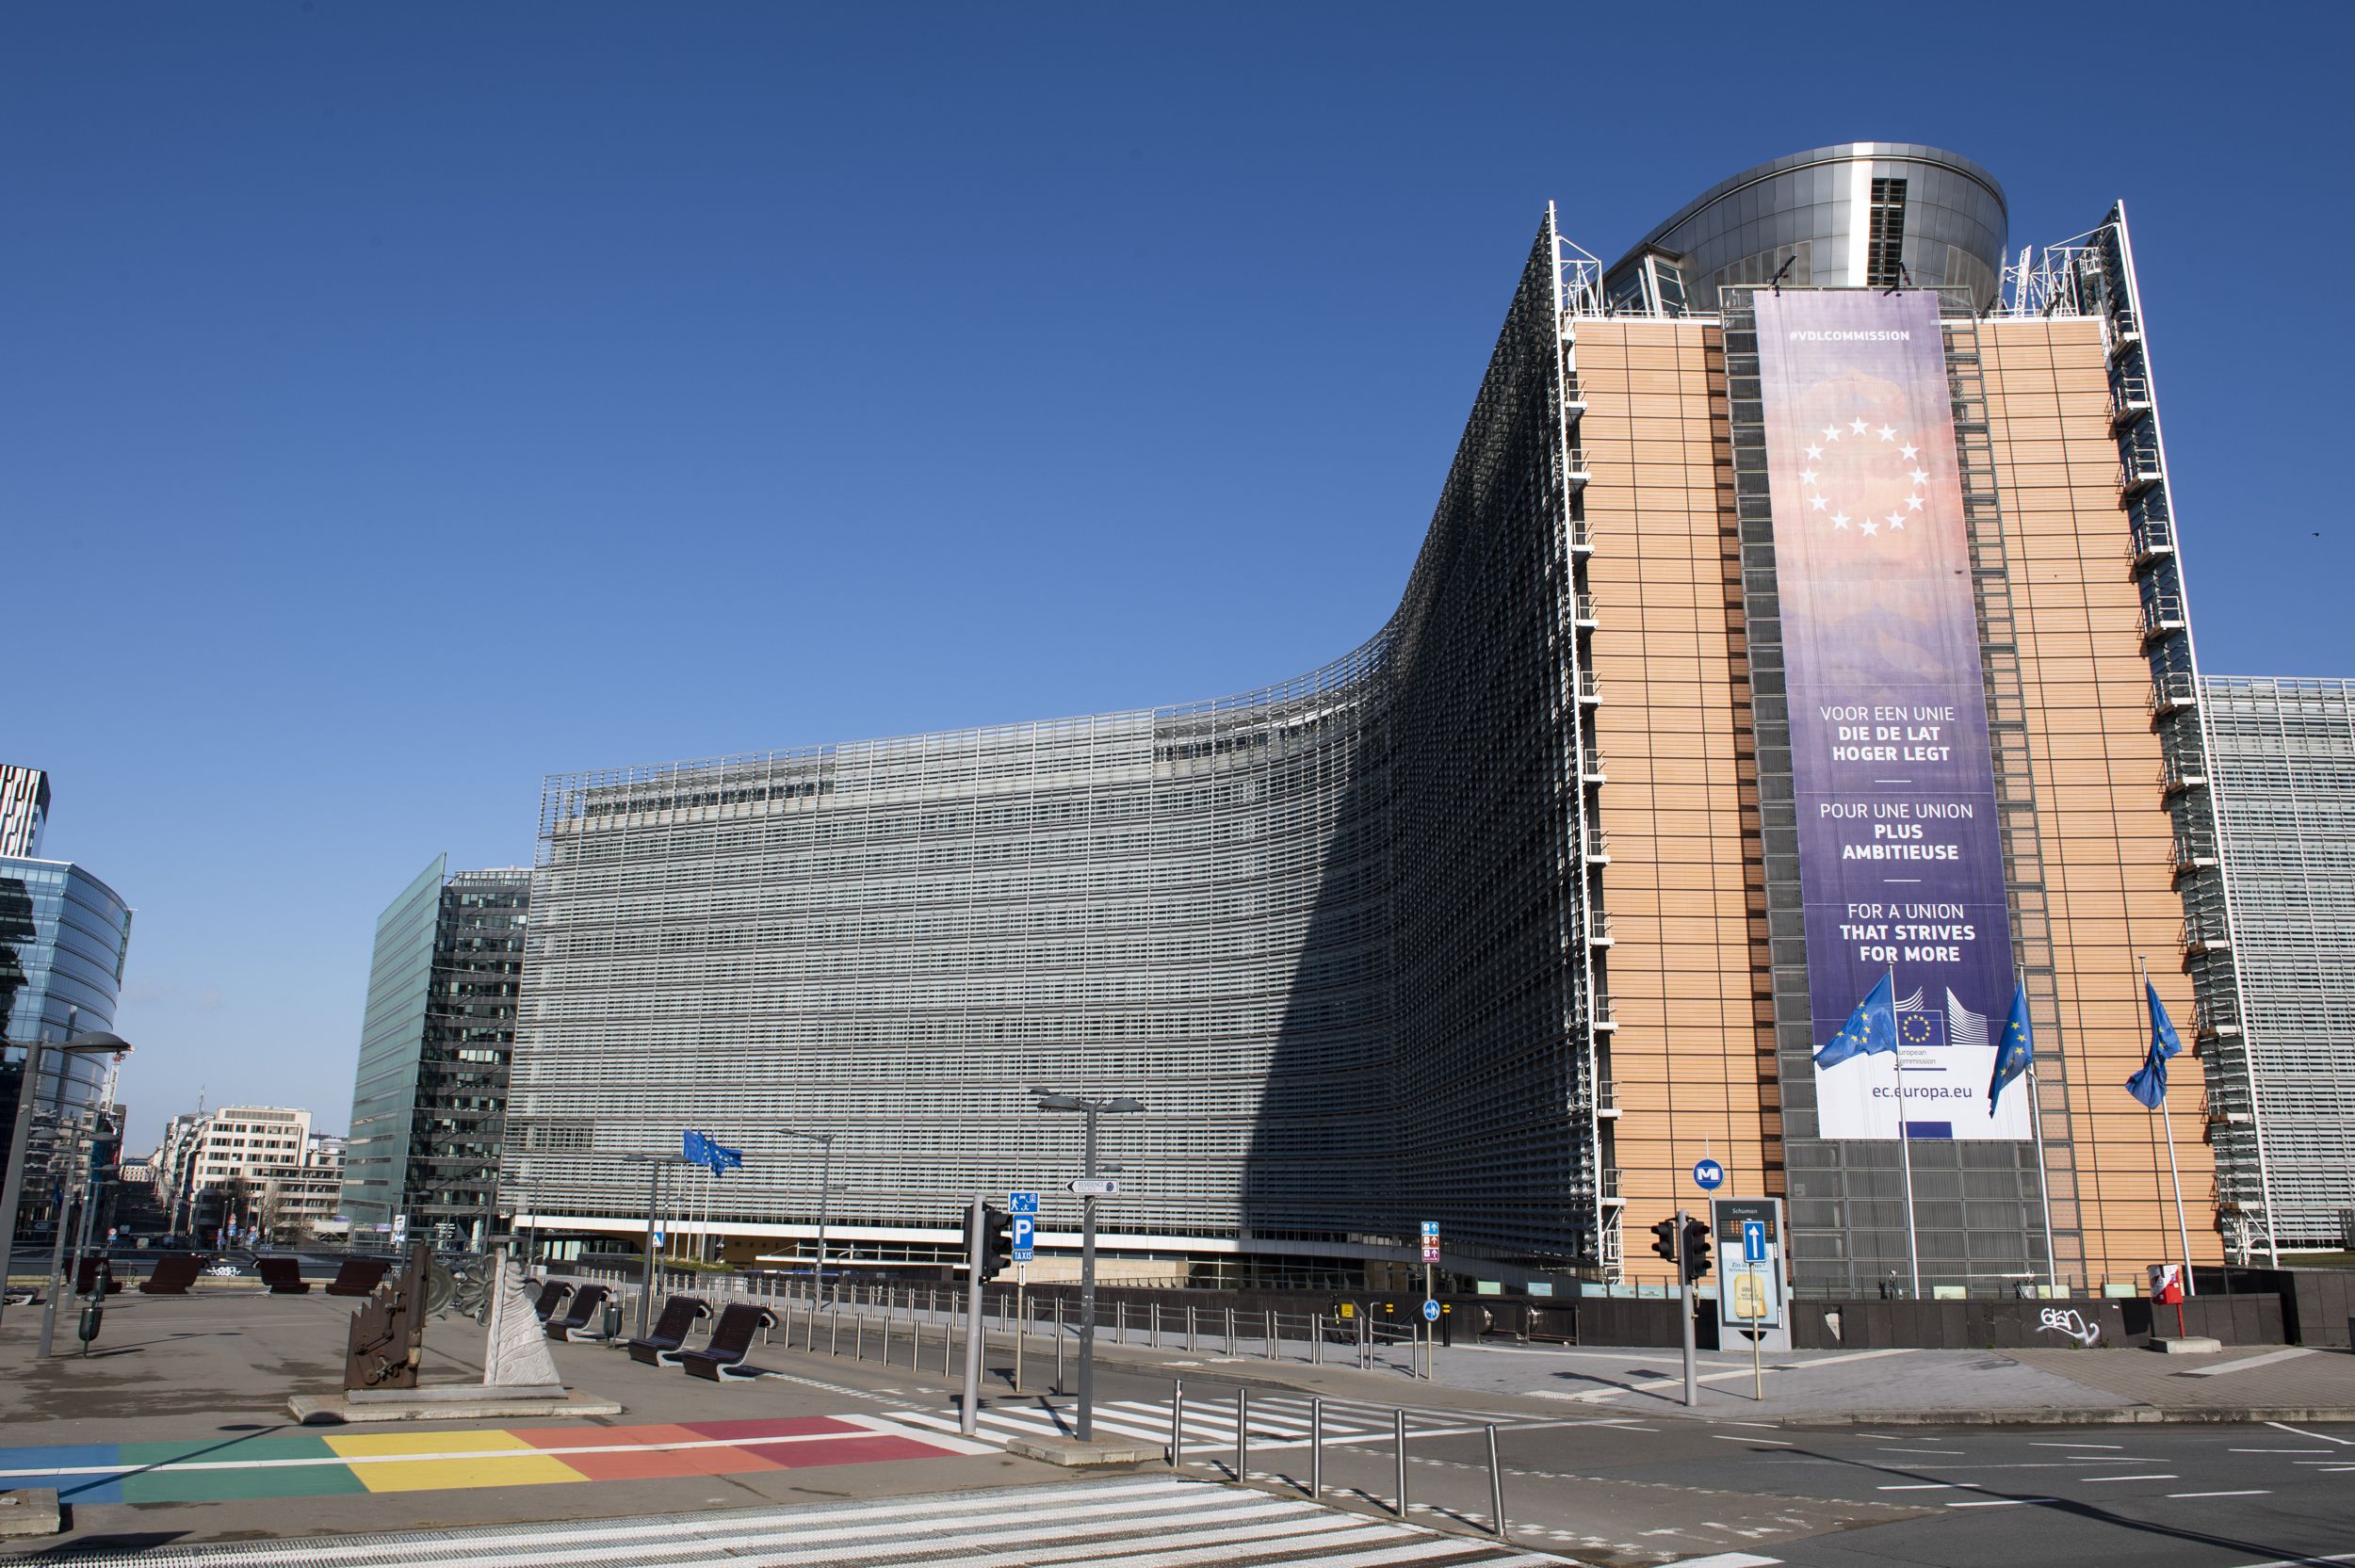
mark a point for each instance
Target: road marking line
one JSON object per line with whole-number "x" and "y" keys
{"x": 2076, "y": 1445}
{"x": 2219, "y": 1493}
{"x": 2004, "y": 1502}
{"x": 2277, "y": 1450}
{"x": 1929, "y": 1486}
{"x": 2090, "y": 1479}
{"x": 2318, "y": 1436}
{"x": 1769, "y": 1442}
{"x": 1949, "y": 1453}
{"x": 1727, "y": 1560}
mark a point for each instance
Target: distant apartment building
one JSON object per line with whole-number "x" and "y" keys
{"x": 429, "y": 1098}
{"x": 263, "y": 1166}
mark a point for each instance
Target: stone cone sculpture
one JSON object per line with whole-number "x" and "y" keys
{"x": 515, "y": 1355}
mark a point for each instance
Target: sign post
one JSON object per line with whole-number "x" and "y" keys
{"x": 1430, "y": 1305}
{"x": 1750, "y": 1245}
{"x": 1023, "y": 1207}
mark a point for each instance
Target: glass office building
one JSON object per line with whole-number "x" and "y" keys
{"x": 2282, "y": 766}
{"x": 64, "y": 938}
{"x": 1512, "y": 915}
{"x": 429, "y": 1093}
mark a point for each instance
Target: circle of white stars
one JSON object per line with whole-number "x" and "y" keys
{"x": 1864, "y": 431}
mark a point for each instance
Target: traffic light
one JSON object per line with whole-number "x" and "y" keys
{"x": 996, "y": 1241}
{"x": 1664, "y": 1240}
{"x": 1695, "y": 1251}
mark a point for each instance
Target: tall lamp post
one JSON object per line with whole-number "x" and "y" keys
{"x": 1090, "y": 1107}
{"x": 825, "y": 1192}
{"x": 94, "y": 1043}
{"x": 654, "y": 1164}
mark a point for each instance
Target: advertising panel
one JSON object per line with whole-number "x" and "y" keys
{"x": 1901, "y": 865}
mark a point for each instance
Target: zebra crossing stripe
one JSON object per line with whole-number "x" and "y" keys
{"x": 1133, "y": 1522}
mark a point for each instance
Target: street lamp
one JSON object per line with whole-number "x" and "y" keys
{"x": 654, "y": 1164}
{"x": 1091, "y": 1108}
{"x": 825, "y": 1192}
{"x": 94, "y": 1043}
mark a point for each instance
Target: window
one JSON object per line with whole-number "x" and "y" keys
{"x": 1885, "y": 240}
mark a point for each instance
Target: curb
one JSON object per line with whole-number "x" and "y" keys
{"x": 2103, "y": 1416}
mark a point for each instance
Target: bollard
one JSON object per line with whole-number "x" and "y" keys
{"x": 1270, "y": 1334}
{"x": 1496, "y": 1482}
{"x": 949, "y": 1338}
{"x": 1243, "y": 1434}
{"x": 1230, "y": 1331}
{"x": 1398, "y": 1439}
{"x": 886, "y": 1357}
{"x": 1177, "y": 1420}
{"x": 1192, "y": 1344}
{"x": 1153, "y": 1330}
{"x": 834, "y": 1329}
{"x": 1120, "y": 1322}
{"x": 1316, "y": 1340}
{"x": 1316, "y": 1449}
{"x": 858, "y": 1337}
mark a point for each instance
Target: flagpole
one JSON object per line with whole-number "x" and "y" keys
{"x": 2167, "y": 1124}
{"x": 1905, "y": 1139}
{"x": 2036, "y": 1120}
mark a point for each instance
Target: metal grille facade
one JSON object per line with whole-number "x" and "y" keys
{"x": 1329, "y": 933}
{"x": 2282, "y": 769}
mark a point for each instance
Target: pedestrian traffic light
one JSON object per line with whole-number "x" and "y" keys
{"x": 996, "y": 1241}
{"x": 1695, "y": 1250}
{"x": 1664, "y": 1240}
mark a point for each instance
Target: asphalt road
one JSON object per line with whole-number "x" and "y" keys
{"x": 1634, "y": 1489}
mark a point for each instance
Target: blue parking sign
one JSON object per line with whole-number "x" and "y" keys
{"x": 1024, "y": 1234}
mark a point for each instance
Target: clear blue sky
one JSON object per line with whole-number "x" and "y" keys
{"x": 404, "y": 402}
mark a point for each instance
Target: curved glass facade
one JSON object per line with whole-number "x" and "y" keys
{"x": 64, "y": 936}
{"x": 1863, "y": 215}
{"x": 1319, "y": 930}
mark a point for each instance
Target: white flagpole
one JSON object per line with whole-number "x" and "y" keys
{"x": 2167, "y": 1126}
{"x": 2036, "y": 1120}
{"x": 1905, "y": 1141}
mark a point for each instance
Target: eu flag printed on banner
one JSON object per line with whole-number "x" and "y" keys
{"x": 1870, "y": 1030}
{"x": 2149, "y": 1084}
{"x": 2013, "y": 1050}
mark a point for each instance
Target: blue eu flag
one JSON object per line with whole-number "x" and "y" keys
{"x": 724, "y": 1158}
{"x": 2150, "y": 1085}
{"x": 1871, "y": 1028}
{"x": 2014, "y": 1048}
{"x": 695, "y": 1148}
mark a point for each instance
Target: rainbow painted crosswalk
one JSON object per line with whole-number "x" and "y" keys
{"x": 329, "y": 1464}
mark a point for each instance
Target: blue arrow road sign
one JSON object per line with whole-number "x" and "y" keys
{"x": 1430, "y": 1311}
{"x": 1753, "y": 1240}
{"x": 1024, "y": 1234}
{"x": 1708, "y": 1175}
{"x": 1021, "y": 1203}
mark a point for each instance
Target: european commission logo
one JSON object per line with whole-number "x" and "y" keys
{"x": 1923, "y": 1025}
{"x": 1849, "y": 465}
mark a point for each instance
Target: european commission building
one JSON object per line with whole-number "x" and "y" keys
{"x": 1801, "y": 616}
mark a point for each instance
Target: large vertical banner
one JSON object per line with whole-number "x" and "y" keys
{"x": 1901, "y": 865}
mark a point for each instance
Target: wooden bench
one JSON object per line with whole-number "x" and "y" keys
{"x": 552, "y": 1294}
{"x": 730, "y": 1339}
{"x": 358, "y": 1276}
{"x": 578, "y": 1317}
{"x": 283, "y": 1276}
{"x": 661, "y": 1346}
{"x": 172, "y": 1276}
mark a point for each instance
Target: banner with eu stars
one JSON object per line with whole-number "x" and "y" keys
{"x": 1901, "y": 867}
